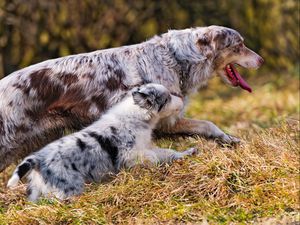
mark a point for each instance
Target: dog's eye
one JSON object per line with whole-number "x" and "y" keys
{"x": 236, "y": 49}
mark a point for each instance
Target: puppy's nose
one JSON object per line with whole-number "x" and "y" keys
{"x": 260, "y": 60}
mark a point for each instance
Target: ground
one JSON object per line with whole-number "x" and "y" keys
{"x": 256, "y": 182}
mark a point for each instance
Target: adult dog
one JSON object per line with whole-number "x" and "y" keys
{"x": 39, "y": 102}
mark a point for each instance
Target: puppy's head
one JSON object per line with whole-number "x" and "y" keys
{"x": 157, "y": 99}
{"x": 226, "y": 48}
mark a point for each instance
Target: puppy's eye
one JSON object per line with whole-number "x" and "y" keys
{"x": 164, "y": 103}
{"x": 169, "y": 98}
{"x": 149, "y": 103}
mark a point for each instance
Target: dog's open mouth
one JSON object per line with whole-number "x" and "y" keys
{"x": 235, "y": 78}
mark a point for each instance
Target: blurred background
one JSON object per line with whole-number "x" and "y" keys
{"x": 35, "y": 30}
{"x": 260, "y": 179}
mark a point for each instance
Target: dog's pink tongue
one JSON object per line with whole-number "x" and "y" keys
{"x": 241, "y": 82}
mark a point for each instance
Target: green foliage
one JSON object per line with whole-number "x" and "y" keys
{"x": 32, "y": 31}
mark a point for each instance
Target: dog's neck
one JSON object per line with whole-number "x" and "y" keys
{"x": 192, "y": 75}
{"x": 193, "y": 70}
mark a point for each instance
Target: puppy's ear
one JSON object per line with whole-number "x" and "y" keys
{"x": 143, "y": 98}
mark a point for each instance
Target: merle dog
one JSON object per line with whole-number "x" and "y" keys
{"x": 38, "y": 102}
{"x": 120, "y": 138}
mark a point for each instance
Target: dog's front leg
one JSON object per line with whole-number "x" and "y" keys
{"x": 169, "y": 155}
{"x": 155, "y": 156}
{"x": 204, "y": 128}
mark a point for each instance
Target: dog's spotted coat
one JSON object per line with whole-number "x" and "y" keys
{"x": 39, "y": 102}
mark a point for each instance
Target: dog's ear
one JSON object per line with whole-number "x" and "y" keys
{"x": 144, "y": 98}
{"x": 220, "y": 40}
{"x": 204, "y": 42}
{"x": 224, "y": 38}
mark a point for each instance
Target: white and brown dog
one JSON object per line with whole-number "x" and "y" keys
{"x": 38, "y": 102}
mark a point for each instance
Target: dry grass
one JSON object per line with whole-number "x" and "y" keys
{"x": 258, "y": 182}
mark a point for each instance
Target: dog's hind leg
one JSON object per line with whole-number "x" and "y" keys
{"x": 36, "y": 186}
{"x": 202, "y": 128}
{"x": 19, "y": 142}
{"x": 22, "y": 144}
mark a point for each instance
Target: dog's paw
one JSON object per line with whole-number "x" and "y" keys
{"x": 228, "y": 139}
{"x": 191, "y": 151}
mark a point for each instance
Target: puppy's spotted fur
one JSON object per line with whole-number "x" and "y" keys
{"x": 120, "y": 138}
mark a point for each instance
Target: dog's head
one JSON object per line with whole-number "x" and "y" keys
{"x": 226, "y": 48}
{"x": 214, "y": 49}
{"x": 157, "y": 99}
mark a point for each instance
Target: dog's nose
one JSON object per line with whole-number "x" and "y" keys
{"x": 260, "y": 60}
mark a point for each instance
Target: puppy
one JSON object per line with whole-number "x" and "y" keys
{"x": 121, "y": 138}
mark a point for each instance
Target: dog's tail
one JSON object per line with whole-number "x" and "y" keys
{"x": 23, "y": 169}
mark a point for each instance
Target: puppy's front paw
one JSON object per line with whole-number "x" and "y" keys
{"x": 228, "y": 139}
{"x": 191, "y": 151}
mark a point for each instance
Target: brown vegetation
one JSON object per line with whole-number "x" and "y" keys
{"x": 258, "y": 182}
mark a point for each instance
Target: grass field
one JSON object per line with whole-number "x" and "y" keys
{"x": 258, "y": 182}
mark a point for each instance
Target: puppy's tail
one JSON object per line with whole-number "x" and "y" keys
{"x": 23, "y": 169}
